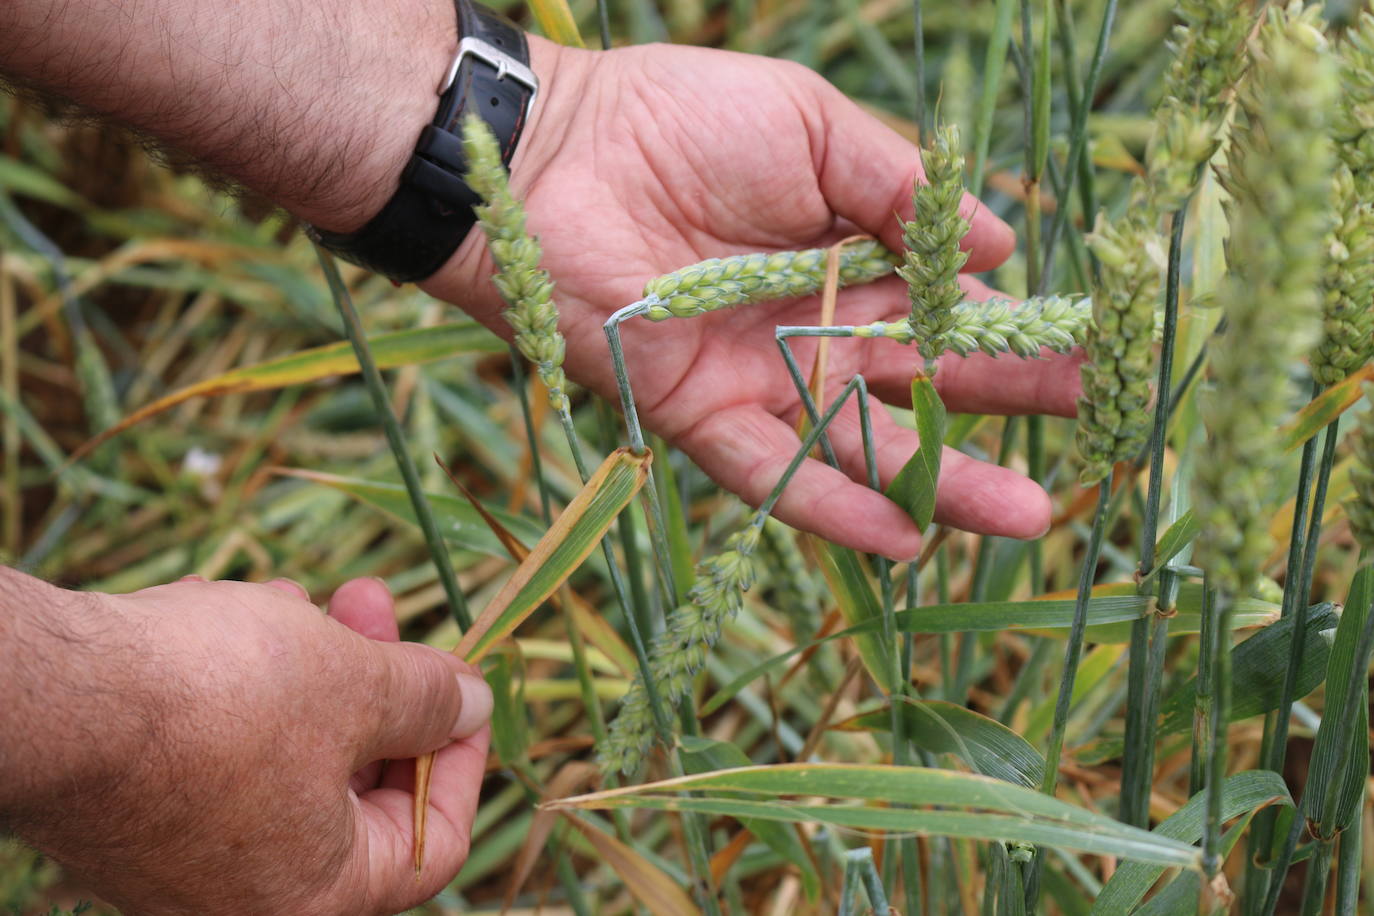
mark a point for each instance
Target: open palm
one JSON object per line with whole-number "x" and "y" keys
{"x": 647, "y": 159}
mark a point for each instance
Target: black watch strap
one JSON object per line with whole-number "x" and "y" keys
{"x": 431, "y": 212}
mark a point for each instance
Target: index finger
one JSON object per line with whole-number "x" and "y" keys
{"x": 867, "y": 170}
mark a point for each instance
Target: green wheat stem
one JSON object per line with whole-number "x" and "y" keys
{"x": 1204, "y": 704}
{"x": 376, "y": 387}
{"x": 918, "y": 48}
{"x": 1078, "y": 139}
{"x": 883, "y": 566}
{"x": 911, "y": 855}
{"x": 1274, "y": 743}
{"x": 603, "y": 23}
{"x": 581, "y": 666}
{"x": 1318, "y": 875}
{"x": 1036, "y": 132}
{"x": 1143, "y": 680}
{"x": 1353, "y": 689}
{"x": 531, "y": 436}
{"x": 982, "y": 573}
{"x": 1030, "y": 73}
{"x": 590, "y": 702}
{"x": 1222, "y": 611}
{"x": 1073, "y": 655}
{"x": 993, "y": 64}
{"x": 1348, "y": 872}
{"x": 1312, "y": 537}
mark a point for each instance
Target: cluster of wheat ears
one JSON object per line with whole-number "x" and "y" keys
{"x": 1279, "y": 116}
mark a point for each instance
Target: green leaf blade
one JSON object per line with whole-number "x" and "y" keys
{"x": 914, "y": 487}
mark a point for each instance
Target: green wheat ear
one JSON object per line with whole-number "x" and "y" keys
{"x": 1280, "y": 179}
{"x": 720, "y": 283}
{"x": 1360, "y": 509}
{"x": 1113, "y": 422}
{"x": 526, "y": 287}
{"x": 1348, "y": 289}
{"x": 1208, "y": 45}
{"x": 1057, "y": 323}
{"x": 679, "y": 652}
{"x": 932, "y": 259}
{"x": 1348, "y": 284}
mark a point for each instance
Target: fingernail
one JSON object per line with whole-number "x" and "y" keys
{"x": 477, "y": 705}
{"x": 281, "y": 583}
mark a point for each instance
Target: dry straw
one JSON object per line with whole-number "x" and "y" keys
{"x": 523, "y": 284}
{"x": 1280, "y": 179}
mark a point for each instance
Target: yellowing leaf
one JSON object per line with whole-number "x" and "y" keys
{"x": 556, "y": 20}
{"x": 403, "y": 348}
{"x": 662, "y": 895}
{"x": 1325, "y": 409}
{"x": 559, "y": 552}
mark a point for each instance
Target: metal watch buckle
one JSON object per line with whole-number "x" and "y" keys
{"x": 506, "y": 66}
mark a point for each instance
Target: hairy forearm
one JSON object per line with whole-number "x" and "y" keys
{"x": 67, "y": 669}
{"x": 315, "y": 105}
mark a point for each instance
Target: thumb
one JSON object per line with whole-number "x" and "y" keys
{"x": 423, "y": 699}
{"x": 866, "y": 172}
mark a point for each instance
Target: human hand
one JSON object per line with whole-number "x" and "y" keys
{"x": 228, "y": 748}
{"x": 644, "y": 160}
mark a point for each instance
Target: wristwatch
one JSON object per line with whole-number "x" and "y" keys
{"x": 431, "y": 212}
